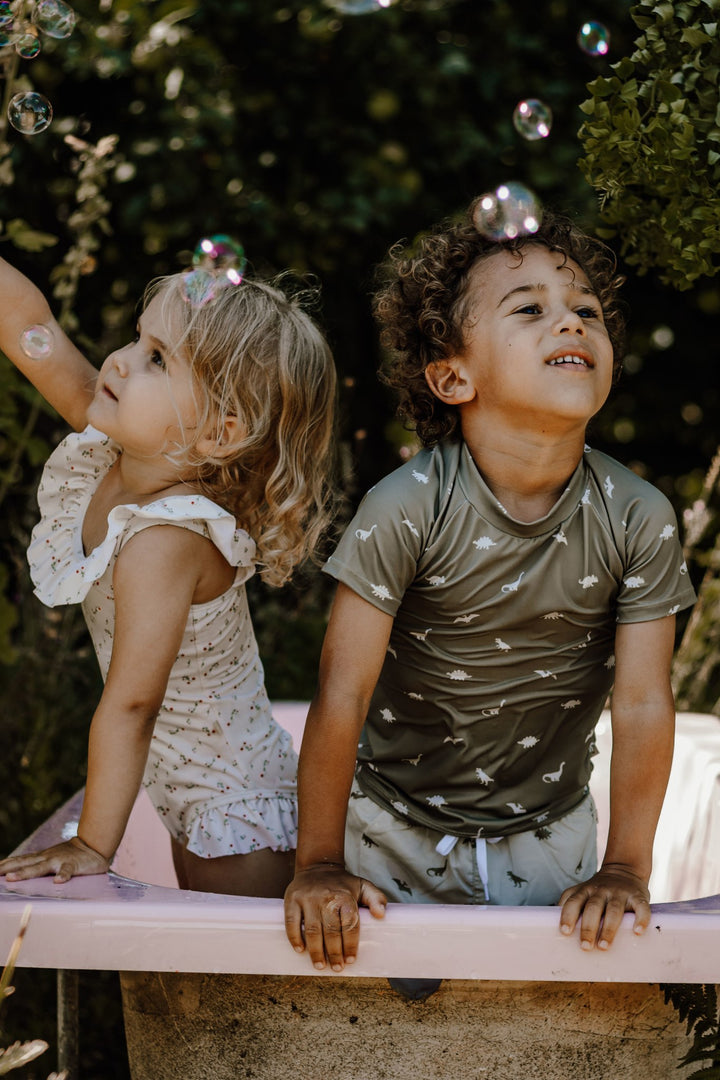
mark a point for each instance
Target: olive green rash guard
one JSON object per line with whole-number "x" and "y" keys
{"x": 501, "y": 656}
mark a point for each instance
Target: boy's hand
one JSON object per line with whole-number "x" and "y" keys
{"x": 321, "y": 913}
{"x": 602, "y": 901}
{"x": 74, "y": 858}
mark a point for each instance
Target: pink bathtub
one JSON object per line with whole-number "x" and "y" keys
{"x": 136, "y": 920}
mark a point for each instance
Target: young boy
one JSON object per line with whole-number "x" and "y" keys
{"x": 492, "y": 591}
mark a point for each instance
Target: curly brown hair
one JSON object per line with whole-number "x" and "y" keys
{"x": 422, "y": 305}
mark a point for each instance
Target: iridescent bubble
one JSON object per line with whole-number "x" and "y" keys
{"x": 358, "y": 7}
{"x": 54, "y": 18}
{"x": 532, "y": 119}
{"x": 6, "y": 15}
{"x": 30, "y": 113}
{"x": 7, "y": 35}
{"x": 37, "y": 342}
{"x": 594, "y": 39}
{"x": 220, "y": 252}
{"x": 27, "y": 45}
{"x": 510, "y": 211}
{"x": 199, "y": 287}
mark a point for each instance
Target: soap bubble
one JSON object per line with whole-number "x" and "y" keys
{"x": 54, "y": 18}
{"x": 532, "y": 119}
{"x": 594, "y": 39}
{"x": 37, "y": 342}
{"x": 27, "y": 45}
{"x": 6, "y": 15}
{"x": 358, "y": 7}
{"x": 510, "y": 211}
{"x": 30, "y": 113}
{"x": 221, "y": 252}
{"x": 199, "y": 287}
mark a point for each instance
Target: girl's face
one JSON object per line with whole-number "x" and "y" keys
{"x": 146, "y": 398}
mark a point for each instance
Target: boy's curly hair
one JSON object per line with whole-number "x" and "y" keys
{"x": 422, "y": 305}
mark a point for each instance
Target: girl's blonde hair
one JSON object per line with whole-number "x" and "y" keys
{"x": 256, "y": 355}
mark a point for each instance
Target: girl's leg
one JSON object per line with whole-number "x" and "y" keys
{"x": 261, "y": 873}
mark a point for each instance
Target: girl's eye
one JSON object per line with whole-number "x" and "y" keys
{"x": 157, "y": 359}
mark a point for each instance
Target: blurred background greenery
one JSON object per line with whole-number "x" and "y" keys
{"x": 318, "y": 138}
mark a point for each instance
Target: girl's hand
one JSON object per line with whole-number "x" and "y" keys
{"x": 74, "y": 858}
{"x": 321, "y": 913}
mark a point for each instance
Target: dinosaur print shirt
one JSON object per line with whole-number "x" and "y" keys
{"x": 501, "y": 653}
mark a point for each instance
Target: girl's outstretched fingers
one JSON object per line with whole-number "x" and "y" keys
{"x": 73, "y": 858}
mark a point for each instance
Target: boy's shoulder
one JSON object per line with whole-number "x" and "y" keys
{"x": 429, "y": 472}
{"x": 620, "y": 484}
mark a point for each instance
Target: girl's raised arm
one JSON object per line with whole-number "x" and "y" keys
{"x": 65, "y": 378}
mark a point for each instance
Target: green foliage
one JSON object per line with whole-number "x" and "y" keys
{"x": 22, "y": 236}
{"x": 698, "y": 1006}
{"x": 652, "y": 142}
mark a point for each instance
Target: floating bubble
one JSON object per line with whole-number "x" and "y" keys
{"x": 27, "y": 45}
{"x": 532, "y": 119}
{"x": 7, "y": 35}
{"x": 358, "y": 7}
{"x": 510, "y": 211}
{"x": 221, "y": 252}
{"x": 54, "y": 18}
{"x": 37, "y": 342}
{"x": 30, "y": 113}
{"x": 6, "y": 14}
{"x": 594, "y": 39}
{"x": 199, "y": 287}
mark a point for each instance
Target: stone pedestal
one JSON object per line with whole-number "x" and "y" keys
{"x": 227, "y": 1027}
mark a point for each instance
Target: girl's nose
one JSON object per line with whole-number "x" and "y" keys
{"x": 119, "y": 361}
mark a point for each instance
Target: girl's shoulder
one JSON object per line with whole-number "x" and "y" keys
{"x": 62, "y": 571}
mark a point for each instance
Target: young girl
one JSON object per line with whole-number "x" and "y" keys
{"x": 216, "y": 420}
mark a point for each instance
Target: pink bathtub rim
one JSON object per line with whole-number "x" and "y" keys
{"x": 117, "y": 922}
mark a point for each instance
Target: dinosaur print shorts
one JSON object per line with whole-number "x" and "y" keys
{"x": 416, "y": 865}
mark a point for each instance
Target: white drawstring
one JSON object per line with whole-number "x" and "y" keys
{"x": 445, "y": 846}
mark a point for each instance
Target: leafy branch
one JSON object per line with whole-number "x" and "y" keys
{"x": 698, "y": 1006}
{"x": 652, "y": 143}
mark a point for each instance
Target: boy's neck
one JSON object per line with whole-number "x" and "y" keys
{"x": 526, "y": 472}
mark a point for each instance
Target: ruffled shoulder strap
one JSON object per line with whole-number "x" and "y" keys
{"x": 61, "y": 571}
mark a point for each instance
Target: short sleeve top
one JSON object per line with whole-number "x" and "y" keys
{"x": 501, "y": 652}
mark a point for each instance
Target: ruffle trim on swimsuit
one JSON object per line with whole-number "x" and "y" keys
{"x": 242, "y": 826}
{"x": 60, "y": 570}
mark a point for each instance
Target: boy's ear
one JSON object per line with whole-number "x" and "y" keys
{"x": 449, "y": 382}
{"x": 224, "y": 444}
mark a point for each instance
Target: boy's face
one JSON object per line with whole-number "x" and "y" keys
{"x": 537, "y": 351}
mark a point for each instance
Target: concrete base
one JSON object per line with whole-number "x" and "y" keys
{"x": 225, "y": 1027}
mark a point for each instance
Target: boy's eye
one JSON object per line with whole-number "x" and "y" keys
{"x": 588, "y": 313}
{"x": 528, "y": 309}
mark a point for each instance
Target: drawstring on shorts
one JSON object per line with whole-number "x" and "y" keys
{"x": 448, "y": 842}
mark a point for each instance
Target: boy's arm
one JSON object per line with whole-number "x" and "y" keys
{"x": 321, "y": 903}
{"x": 66, "y": 379}
{"x": 154, "y": 578}
{"x": 643, "y": 726}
